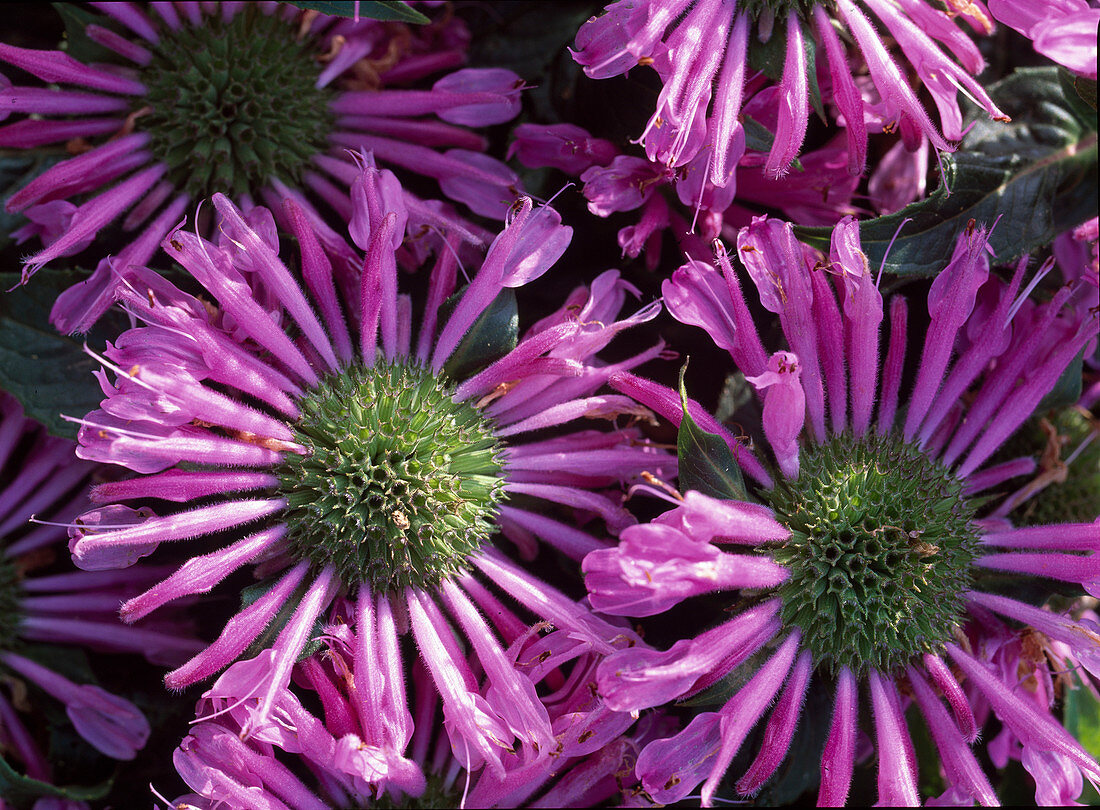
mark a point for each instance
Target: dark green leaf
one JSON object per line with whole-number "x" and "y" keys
{"x": 1031, "y": 590}
{"x": 1082, "y": 717}
{"x": 22, "y": 791}
{"x": 267, "y": 638}
{"x": 375, "y": 10}
{"x": 758, "y": 138}
{"x": 72, "y": 662}
{"x": 809, "y": 44}
{"x": 706, "y": 462}
{"x": 769, "y": 56}
{"x": 530, "y": 39}
{"x": 1037, "y": 173}
{"x": 49, "y": 373}
{"x": 526, "y": 37}
{"x": 77, "y": 43}
{"x": 736, "y": 393}
{"x": 931, "y": 782}
{"x": 493, "y": 335}
{"x": 1081, "y": 94}
{"x": 719, "y": 692}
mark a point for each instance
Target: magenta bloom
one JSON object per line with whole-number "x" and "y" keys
{"x": 867, "y": 560}
{"x": 360, "y": 455}
{"x": 563, "y": 146}
{"x": 248, "y": 99}
{"x": 701, "y": 52}
{"x": 356, "y": 757}
{"x": 72, "y": 608}
{"x": 1061, "y": 30}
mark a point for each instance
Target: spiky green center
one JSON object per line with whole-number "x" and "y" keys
{"x": 402, "y": 483}
{"x": 880, "y": 552}
{"x": 10, "y": 614}
{"x": 234, "y": 104}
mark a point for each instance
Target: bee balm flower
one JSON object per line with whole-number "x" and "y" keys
{"x": 701, "y": 50}
{"x": 868, "y": 559}
{"x": 357, "y": 460}
{"x": 241, "y": 98}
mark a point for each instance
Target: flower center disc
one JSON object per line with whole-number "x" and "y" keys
{"x": 880, "y": 552}
{"x": 402, "y": 484}
{"x": 234, "y": 103}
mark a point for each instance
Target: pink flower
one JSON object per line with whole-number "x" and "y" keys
{"x": 700, "y": 51}
{"x": 365, "y": 744}
{"x": 561, "y": 146}
{"x": 361, "y": 457}
{"x": 294, "y": 94}
{"x": 1061, "y": 30}
{"x": 881, "y": 565}
{"x": 784, "y": 408}
{"x": 623, "y": 185}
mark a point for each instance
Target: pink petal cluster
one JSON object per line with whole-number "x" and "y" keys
{"x": 1061, "y": 30}
{"x": 830, "y": 314}
{"x": 114, "y": 177}
{"x": 200, "y": 405}
{"x": 74, "y": 608}
{"x": 700, "y": 50}
{"x": 373, "y": 741}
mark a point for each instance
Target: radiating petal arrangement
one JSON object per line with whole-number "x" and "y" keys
{"x": 875, "y": 557}
{"x": 549, "y": 405}
{"x": 242, "y": 92}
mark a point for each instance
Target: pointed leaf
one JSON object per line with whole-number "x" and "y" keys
{"x": 758, "y": 138}
{"x": 23, "y": 791}
{"x": 493, "y": 335}
{"x": 77, "y": 43}
{"x": 1082, "y": 716}
{"x": 49, "y": 373}
{"x": 706, "y": 462}
{"x": 770, "y": 57}
{"x": 1081, "y": 94}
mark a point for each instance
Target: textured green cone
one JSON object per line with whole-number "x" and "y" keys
{"x": 234, "y": 104}
{"x": 880, "y": 552}
{"x": 402, "y": 485}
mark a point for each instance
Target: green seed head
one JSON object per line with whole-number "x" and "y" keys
{"x": 402, "y": 484}
{"x": 880, "y": 551}
{"x": 234, "y": 104}
{"x": 10, "y": 614}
